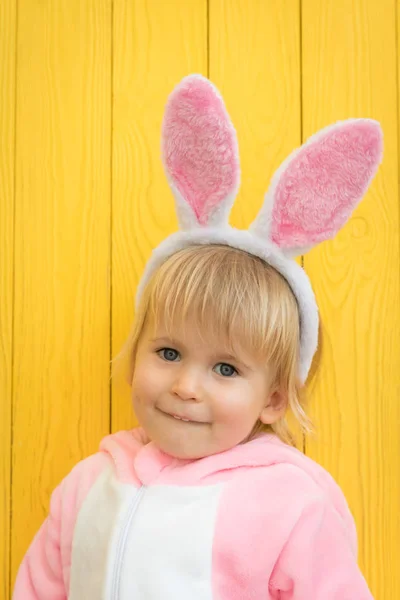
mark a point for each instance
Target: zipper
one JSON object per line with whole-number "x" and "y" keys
{"x": 133, "y": 506}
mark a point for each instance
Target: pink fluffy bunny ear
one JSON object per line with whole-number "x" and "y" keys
{"x": 200, "y": 153}
{"x": 314, "y": 192}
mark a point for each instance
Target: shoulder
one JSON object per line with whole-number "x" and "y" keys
{"x": 280, "y": 489}
{"x": 76, "y": 485}
{"x": 267, "y": 493}
{"x": 284, "y": 480}
{"x": 288, "y": 469}
{"x": 300, "y": 494}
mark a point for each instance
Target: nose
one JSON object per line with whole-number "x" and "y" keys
{"x": 187, "y": 384}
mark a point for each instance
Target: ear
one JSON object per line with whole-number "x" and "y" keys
{"x": 314, "y": 192}
{"x": 200, "y": 154}
{"x": 275, "y": 408}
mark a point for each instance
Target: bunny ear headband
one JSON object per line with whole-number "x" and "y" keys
{"x": 311, "y": 196}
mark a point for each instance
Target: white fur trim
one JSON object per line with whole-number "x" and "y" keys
{"x": 96, "y": 537}
{"x": 170, "y": 544}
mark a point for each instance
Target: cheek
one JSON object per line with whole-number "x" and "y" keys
{"x": 145, "y": 387}
{"x": 230, "y": 406}
{"x": 235, "y": 406}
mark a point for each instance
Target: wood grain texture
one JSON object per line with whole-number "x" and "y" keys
{"x": 255, "y": 62}
{"x": 8, "y": 24}
{"x": 349, "y": 70}
{"x": 62, "y": 234}
{"x": 155, "y": 45}
{"x": 86, "y": 85}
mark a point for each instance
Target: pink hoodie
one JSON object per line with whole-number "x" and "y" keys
{"x": 261, "y": 520}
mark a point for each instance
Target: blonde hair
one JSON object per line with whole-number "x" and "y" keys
{"x": 241, "y": 299}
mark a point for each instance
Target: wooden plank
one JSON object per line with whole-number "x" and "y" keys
{"x": 62, "y": 296}
{"x": 255, "y": 62}
{"x": 8, "y": 24}
{"x": 155, "y": 45}
{"x": 349, "y": 70}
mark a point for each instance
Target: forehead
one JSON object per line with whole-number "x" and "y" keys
{"x": 185, "y": 330}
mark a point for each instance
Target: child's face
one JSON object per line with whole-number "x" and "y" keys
{"x": 222, "y": 397}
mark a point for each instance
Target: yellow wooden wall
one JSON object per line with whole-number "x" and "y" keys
{"x": 83, "y": 200}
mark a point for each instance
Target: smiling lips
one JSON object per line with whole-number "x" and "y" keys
{"x": 186, "y": 420}
{"x": 181, "y": 418}
{"x": 174, "y": 416}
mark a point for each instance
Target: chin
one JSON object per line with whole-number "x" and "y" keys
{"x": 181, "y": 450}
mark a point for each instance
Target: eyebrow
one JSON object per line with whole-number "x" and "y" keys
{"x": 222, "y": 355}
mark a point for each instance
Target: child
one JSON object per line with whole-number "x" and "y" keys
{"x": 209, "y": 498}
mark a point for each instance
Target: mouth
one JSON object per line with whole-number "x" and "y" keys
{"x": 183, "y": 419}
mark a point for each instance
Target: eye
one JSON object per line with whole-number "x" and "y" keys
{"x": 226, "y": 370}
{"x": 168, "y": 354}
